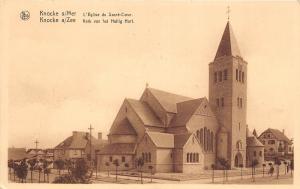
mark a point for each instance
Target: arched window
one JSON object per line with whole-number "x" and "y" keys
{"x": 212, "y": 141}
{"x": 188, "y": 157}
{"x": 197, "y": 157}
{"x": 191, "y": 157}
{"x": 208, "y": 140}
{"x": 201, "y": 136}
{"x": 205, "y": 136}
{"x": 149, "y": 157}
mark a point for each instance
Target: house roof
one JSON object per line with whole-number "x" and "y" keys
{"x": 228, "y": 45}
{"x": 168, "y": 100}
{"x": 144, "y": 113}
{"x": 79, "y": 140}
{"x": 123, "y": 128}
{"x": 278, "y": 135}
{"x": 252, "y": 141}
{"x": 161, "y": 140}
{"x": 18, "y": 154}
{"x": 181, "y": 139}
{"x": 118, "y": 148}
{"x": 185, "y": 111}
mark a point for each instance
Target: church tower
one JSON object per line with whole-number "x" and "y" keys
{"x": 228, "y": 98}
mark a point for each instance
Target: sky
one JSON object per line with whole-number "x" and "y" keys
{"x": 64, "y": 77}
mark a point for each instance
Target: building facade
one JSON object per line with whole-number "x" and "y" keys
{"x": 174, "y": 133}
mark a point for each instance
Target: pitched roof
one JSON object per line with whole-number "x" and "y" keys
{"x": 118, "y": 148}
{"x": 161, "y": 140}
{"x": 168, "y": 100}
{"x": 185, "y": 111}
{"x": 79, "y": 140}
{"x": 144, "y": 113}
{"x": 278, "y": 135}
{"x": 228, "y": 45}
{"x": 18, "y": 154}
{"x": 123, "y": 128}
{"x": 181, "y": 139}
{"x": 253, "y": 142}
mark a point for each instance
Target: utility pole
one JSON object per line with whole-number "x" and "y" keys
{"x": 91, "y": 128}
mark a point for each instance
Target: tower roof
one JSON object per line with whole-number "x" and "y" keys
{"x": 228, "y": 45}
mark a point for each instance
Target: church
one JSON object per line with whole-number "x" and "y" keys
{"x": 174, "y": 133}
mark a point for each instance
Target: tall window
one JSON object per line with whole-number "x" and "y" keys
{"x": 236, "y": 74}
{"x": 188, "y": 157}
{"x": 254, "y": 153}
{"x": 238, "y": 101}
{"x": 216, "y": 77}
{"x": 240, "y": 75}
{"x": 243, "y": 77}
{"x": 220, "y": 76}
{"x": 222, "y": 101}
{"x": 225, "y": 74}
{"x": 218, "y": 102}
{"x": 110, "y": 158}
{"x": 201, "y": 136}
{"x": 149, "y": 156}
{"x": 212, "y": 141}
{"x": 241, "y": 103}
{"x": 123, "y": 158}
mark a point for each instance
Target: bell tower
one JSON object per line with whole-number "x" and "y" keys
{"x": 228, "y": 96}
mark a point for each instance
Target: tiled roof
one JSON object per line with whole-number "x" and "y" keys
{"x": 162, "y": 140}
{"x": 253, "y": 142}
{"x": 79, "y": 141}
{"x": 278, "y": 135}
{"x": 144, "y": 113}
{"x": 168, "y": 100}
{"x": 118, "y": 148}
{"x": 228, "y": 45}
{"x": 181, "y": 139}
{"x": 185, "y": 111}
{"x": 123, "y": 128}
{"x": 18, "y": 154}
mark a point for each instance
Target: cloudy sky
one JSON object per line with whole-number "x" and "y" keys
{"x": 64, "y": 77}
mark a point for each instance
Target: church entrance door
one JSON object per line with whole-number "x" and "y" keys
{"x": 238, "y": 160}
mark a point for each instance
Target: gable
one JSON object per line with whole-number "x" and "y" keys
{"x": 192, "y": 143}
{"x": 204, "y": 108}
{"x": 123, "y": 128}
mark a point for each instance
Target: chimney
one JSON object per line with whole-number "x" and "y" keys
{"x": 99, "y": 136}
{"x": 283, "y": 131}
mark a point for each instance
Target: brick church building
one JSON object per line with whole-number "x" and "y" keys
{"x": 174, "y": 133}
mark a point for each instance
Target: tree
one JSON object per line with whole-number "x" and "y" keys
{"x": 79, "y": 173}
{"x": 213, "y": 172}
{"x": 241, "y": 166}
{"x": 140, "y": 164}
{"x": 253, "y": 165}
{"x": 60, "y": 164}
{"x": 255, "y": 133}
{"x": 21, "y": 170}
{"x": 32, "y": 163}
{"x": 45, "y": 167}
{"x": 151, "y": 171}
{"x": 225, "y": 165}
{"x": 117, "y": 164}
{"x": 292, "y": 166}
{"x": 285, "y": 167}
{"x": 10, "y": 167}
{"x": 69, "y": 165}
{"x": 264, "y": 165}
{"x": 107, "y": 165}
{"x": 277, "y": 162}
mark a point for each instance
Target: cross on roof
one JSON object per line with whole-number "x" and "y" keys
{"x": 36, "y": 143}
{"x": 228, "y": 12}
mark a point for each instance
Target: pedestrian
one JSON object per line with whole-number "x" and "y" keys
{"x": 288, "y": 168}
{"x": 271, "y": 171}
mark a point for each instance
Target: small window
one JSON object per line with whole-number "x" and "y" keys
{"x": 216, "y": 77}
{"x": 243, "y": 77}
{"x": 222, "y": 101}
{"x": 225, "y": 74}
{"x": 260, "y": 153}
{"x": 218, "y": 102}
{"x": 110, "y": 158}
{"x": 123, "y": 158}
{"x": 220, "y": 76}
{"x": 237, "y": 74}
